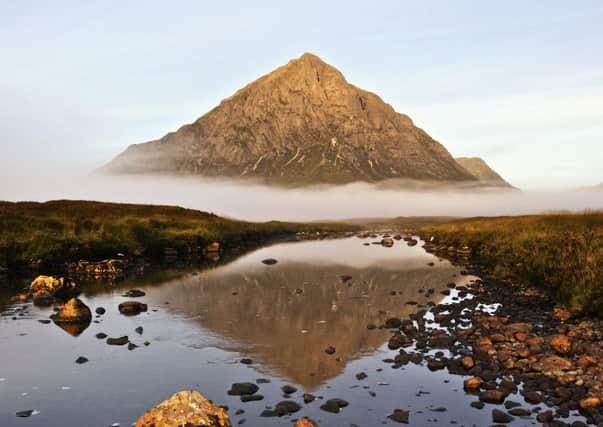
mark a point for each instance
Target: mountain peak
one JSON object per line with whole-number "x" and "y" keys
{"x": 478, "y": 167}
{"x": 302, "y": 123}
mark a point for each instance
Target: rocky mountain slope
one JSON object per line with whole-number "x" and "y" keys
{"x": 482, "y": 171}
{"x": 301, "y": 124}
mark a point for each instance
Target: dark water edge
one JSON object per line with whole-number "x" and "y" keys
{"x": 283, "y": 317}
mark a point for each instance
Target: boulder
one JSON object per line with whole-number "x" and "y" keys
{"x": 74, "y": 317}
{"x": 45, "y": 289}
{"x": 132, "y": 308}
{"x": 560, "y": 344}
{"x": 305, "y": 422}
{"x": 185, "y": 408}
{"x": 104, "y": 268}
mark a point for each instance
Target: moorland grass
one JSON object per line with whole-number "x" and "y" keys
{"x": 64, "y": 230}
{"x": 560, "y": 253}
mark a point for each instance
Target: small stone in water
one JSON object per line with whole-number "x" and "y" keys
{"x": 81, "y": 360}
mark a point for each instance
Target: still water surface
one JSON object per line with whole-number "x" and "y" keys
{"x": 200, "y": 324}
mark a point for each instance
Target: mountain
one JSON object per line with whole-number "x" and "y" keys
{"x": 482, "y": 171}
{"x": 301, "y": 124}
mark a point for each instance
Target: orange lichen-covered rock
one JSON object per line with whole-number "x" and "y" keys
{"x": 44, "y": 289}
{"x": 305, "y": 422}
{"x": 185, "y": 408}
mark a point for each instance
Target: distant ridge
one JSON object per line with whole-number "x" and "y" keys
{"x": 301, "y": 124}
{"x": 482, "y": 171}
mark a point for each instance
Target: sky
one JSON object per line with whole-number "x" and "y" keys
{"x": 517, "y": 83}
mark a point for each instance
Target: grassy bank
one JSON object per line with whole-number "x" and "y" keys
{"x": 66, "y": 230}
{"x": 560, "y": 253}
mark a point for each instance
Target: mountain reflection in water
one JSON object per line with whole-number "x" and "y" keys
{"x": 285, "y": 315}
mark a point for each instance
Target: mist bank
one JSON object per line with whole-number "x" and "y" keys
{"x": 256, "y": 202}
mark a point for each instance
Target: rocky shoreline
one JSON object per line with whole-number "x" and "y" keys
{"x": 510, "y": 343}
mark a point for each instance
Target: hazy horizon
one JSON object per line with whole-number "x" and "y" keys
{"x": 257, "y": 202}
{"x": 520, "y": 85}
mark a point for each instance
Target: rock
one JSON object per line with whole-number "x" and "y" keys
{"x": 288, "y": 389}
{"x": 185, "y": 408}
{"x": 493, "y": 396}
{"x": 467, "y": 362}
{"x": 118, "y": 341}
{"x": 590, "y": 402}
{"x": 560, "y": 344}
{"x": 269, "y": 261}
{"x": 25, "y": 414}
{"x": 561, "y": 314}
{"x": 45, "y": 289}
{"x": 472, "y": 384}
{"x": 101, "y": 335}
{"x": 552, "y": 364}
{"x": 532, "y": 397}
{"x": 100, "y": 311}
{"x": 135, "y": 293}
{"x": 139, "y": 330}
{"x": 330, "y": 350}
{"x": 399, "y": 416}
{"x": 334, "y": 405}
{"x": 251, "y": 397}
{"x": 81, "y": 360}
{"x": 477, "y": 404}
{"x": 132, "y": 346}
{"x": 246, "y": 361}
{"x": 305, "y": 422}
{"x": 501, "y": 417}
{"x": 132, "y": 308}
{"x": 393, "y": 323}
{"x": 240, "y": 389}
{"x": 213, "y": 247}
{"x": 286, "y": 407}
{"x": 74, "y": 317}
{"x": 387, "y": 242}
{"x": 545, "y": 417}
{"x": 308, "y": 397}
{"x": 520, "y": 412}
{"x": 361, "y": 376}
{"x": 20, "y": 297}
{"x": 435, "y": 364}
{"x": 99, "y": 269}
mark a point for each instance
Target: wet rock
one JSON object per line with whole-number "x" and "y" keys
{"x": 132, "y": 346}
{"x": 288, "y": 389}
{"x": 74, "y": 317}
{"x": 399, "y": 340}
{"x": 100, "y": 311}
{"x": 100, "y": 269}
{"x": 44, "y": 321}
{"x": 251, "y": 397}
{"x": 246, "y": 361}
{"x": 132, "y": 308}
{"x": 330, "y": 350}
{"x": 45, "y": 289}
{"x": 81, "y": 360}
{"x": 467, "y": 362}
{"x": 361, "y": 376}
{"x": 560, "y": 344}
{"x": 551, "y": 364}
{"x": 532, "y": 397}
{"x": 545, "y": 417}
{"x": 387, "y": 242}
{"x": 334, "y": 405}
{"x": 305, "y": 422}
{"x": 118, "y": 341}
{"x": 472, "y": 384}
{"x": 308, "y": 397}
{"x": 101, "y": 335}
{"x": 493, "y": 396}
{"x": 393, "y": 323}
{"x": 286, "y": 407}
{"x": 139, "y": 330}
{"x": 240, "y": 389}
{"x": 501, "y": 417}
{"x": 590, "y": 402}
{"x": 399, "y": 416}
{"x": 520, "y": 412}
{"x": 135, "y": 293}
{"x": 188, "y": 408}
{"x": 436, "y": 364}
{"x": 24, "y": 414}
{"x": 269, "y": 261}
